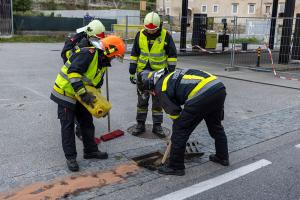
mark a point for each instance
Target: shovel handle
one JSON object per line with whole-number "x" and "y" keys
{"x": 107, "y": 96}
{"x": 167, "y": 152}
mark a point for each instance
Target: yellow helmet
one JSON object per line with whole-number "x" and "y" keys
{"x": 152, "y": 21}
{"x": 94, "y": 29}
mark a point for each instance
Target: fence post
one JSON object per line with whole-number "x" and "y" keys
{"x": 126, "y": 28}
{"x": 170, "y": 23}
{"x": 258, "y": 50}
{"x": 233, "y": 42}
{"x": 183, "y": 27}
{"x": 12, "y": 18}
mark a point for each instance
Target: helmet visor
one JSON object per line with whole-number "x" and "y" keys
{"x": 100, "y": 35}
{"x": 151, "y": 26}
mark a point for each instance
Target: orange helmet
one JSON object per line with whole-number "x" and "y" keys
{"x": 113, "y": 46}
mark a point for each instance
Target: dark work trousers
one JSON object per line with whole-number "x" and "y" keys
{"x": 211, "y": 109}
{"x": 142, "y": 108}
{"x": 85, "y": 120}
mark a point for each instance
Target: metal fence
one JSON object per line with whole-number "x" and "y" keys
{"x": 252, "y": 47}
{"x": 241, "y": 43}
{"x": 6, "y": 28}
{"x": 42, "y": 23}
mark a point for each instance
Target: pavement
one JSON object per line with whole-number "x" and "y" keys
{"x": 259, "y": 107}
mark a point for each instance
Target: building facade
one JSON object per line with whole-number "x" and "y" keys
{"x": 221, "y": 8}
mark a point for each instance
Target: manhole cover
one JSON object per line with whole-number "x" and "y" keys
{"x": 148, "y": 133}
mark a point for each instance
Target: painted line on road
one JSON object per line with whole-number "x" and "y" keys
{"x": 298, "y": 146}
{"x": 214, "y": 182}
{"x": 35, "y": 92}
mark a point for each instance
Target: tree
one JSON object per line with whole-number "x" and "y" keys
{"x": 22, "y": 5}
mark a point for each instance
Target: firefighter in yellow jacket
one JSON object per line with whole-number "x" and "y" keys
{"x": 153, "y": 49}
{"x": 189, "y": 96}
{"x": 81, "y": 39}
{"x": 85, "y": 67}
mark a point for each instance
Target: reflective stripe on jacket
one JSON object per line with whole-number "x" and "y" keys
{"x": 156, "y": 56}
{"x": 63, "y": 89}
{"x": 183, "y": 86}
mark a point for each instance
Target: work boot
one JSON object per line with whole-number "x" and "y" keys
{"x": 158, "y": 130}
{"x": 139, "y": 129}
{"x": 72, "y": 165}
{"x": 214, "y": 158}
{"x": 164, "y": 169}
{"x": 95, "y": 155}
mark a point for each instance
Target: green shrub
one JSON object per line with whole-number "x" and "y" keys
{"x": 251, "y": 40}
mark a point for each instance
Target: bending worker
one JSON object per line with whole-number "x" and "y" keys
{"x": 153, "y": 49}
{"x": 202, "y": 96}
{"x": 85, "y": 67}
{"x": 94, "y": 29}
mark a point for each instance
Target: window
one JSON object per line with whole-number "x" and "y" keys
{"x": 281, "y": 8}
{"x": 168, "y": 11}
{"x": 204, "y": 9}
{"x": 235, "y": 8}
{"x": 251, "y": 8}
{"x": 215, "y": 9}
{"x": 268, "y": 9}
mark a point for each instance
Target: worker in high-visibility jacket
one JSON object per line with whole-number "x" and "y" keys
{"x": 85, "y": 67}
{"x": 153, "y": 49}
{"x": 81, "y": 39}
{"x": 189, "y": 96}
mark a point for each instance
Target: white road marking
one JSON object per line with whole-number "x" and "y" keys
{"x": 298, "y": 146}
{"x": 35, "y": 92}
{"x": 214, "y": 182}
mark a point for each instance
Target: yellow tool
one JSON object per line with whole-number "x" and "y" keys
{"x": 100, "y": 106}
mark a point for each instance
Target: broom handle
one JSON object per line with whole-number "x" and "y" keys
{"x": 107, "y": 96}
{"x": 167, "y": 152}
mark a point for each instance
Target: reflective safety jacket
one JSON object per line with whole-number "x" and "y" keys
{"x": 153, "y": 52}
{"x": 185, "y": 87}
{"x": 77, "y": 41}
{"x": 86, "y": 67}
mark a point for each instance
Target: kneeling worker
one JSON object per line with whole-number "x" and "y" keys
{"x": 202, "y": 95}
{"x": 85, "y": 67}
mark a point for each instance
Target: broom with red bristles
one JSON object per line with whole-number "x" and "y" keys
{"x": 111, "y": 134}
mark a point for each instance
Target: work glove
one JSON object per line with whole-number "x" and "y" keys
{"x": 132, "y": 78}
{"x": 88, "y": 98}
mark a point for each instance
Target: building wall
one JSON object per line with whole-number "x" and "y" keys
{"x": 173, "y": 7}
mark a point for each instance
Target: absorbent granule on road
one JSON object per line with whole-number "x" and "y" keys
{"x": 74, "y": 184}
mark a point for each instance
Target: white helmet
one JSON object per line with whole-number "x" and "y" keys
{"x": 94, "y": 29}
{"x": 152, "y": 21}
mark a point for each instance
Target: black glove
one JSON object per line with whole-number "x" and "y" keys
{"x": 132, "y": 79}
{"x": 88, "y": 98}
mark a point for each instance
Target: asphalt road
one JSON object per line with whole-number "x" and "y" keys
{"x": 30, "y": 140}
{"x": 279, "y": 179}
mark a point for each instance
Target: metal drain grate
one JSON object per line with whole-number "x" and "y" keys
{"x": 193, "y": 149}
